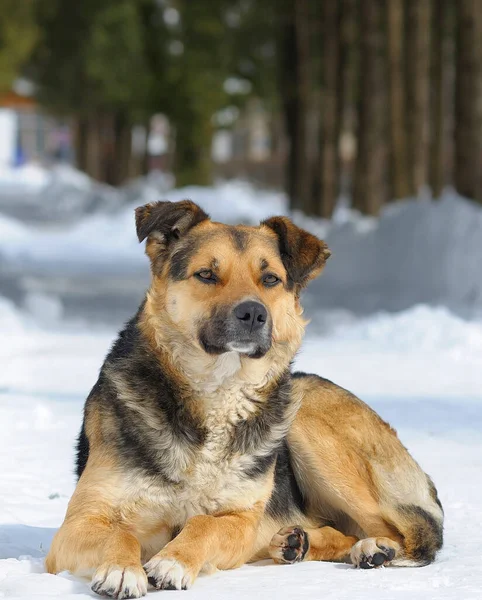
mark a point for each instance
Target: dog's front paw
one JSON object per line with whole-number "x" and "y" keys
{"x": 372, "y": 553}
{"x": 289, "y": 545}
{"x": 118, "y": 582}
{"x": 166, "y": 573}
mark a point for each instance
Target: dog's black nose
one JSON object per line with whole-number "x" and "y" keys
{"x": 253, "y": 315}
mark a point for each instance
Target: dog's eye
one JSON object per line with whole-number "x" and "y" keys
{"x": 206, "y": 276}
{"x": 270, "y": 280}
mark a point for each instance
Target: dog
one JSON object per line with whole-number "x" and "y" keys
{"x": 201, "y": 450}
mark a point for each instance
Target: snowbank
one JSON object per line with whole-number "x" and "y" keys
{"x": 422, "y": 328}
{"x": 27, "y": 178}
{"x": 421, "y": 352}
{"x": 11, "y": 320}
{"x": 63, "y": 195}
{"x": 417, "y": 252}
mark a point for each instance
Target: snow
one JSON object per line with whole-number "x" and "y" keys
{"x": 440, "y": 354}
{"x": 417, "y": 252}
{"x": 63, "y": 195}
{"x": 421, "y": 369}
{"x": 26, "y": 178}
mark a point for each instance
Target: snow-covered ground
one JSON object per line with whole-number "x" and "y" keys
{"x": 421, "y": 369}
{"x": 69, "y": 257}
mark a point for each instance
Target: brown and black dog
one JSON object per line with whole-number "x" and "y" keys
{"x": 201, "y": 450}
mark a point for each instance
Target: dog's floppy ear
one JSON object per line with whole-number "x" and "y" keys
{"x": 164, "y": 222}
{"x": 168, "y": 219}
{"x": 302, "y": 253}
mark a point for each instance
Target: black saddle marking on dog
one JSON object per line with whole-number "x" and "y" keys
{"x": 286, "y": 498}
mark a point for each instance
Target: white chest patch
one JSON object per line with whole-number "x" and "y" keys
{"x": 223, "y": 368}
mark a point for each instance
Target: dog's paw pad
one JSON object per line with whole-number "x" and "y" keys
{"x": 168, "y": 574}
{"x": 289, "y": 545}
{"x": 113, "y": 581}
{"x": 372, "y": 553}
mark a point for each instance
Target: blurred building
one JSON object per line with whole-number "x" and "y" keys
{"x": 27, "y": 133}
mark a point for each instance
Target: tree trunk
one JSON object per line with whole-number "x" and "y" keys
{"x": 81, "y": 143}
{"x": 294, "y": 78}
{"x": 145, "y": 162}
{"x": 106, "y": 140}
{"x": 330, "y": 122}
{"x": 468, "y": 99}
{"x": 418, "y": 91}
{"x": 122, "y": 149}
{"x": 400, "y": 176}
{"x": 302, "y": 41}
{"x": 441, "y": 59}
{"x": 348, "y": 86}
{"x": 370, "y": 190}
{"x": 93, "y": 157}
{"x": 192, "y": 160}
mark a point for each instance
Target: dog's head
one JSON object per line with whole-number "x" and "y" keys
{"x": 228, "y": 288}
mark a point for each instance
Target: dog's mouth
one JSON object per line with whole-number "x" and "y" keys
{"x": 242, "y": 347}
{"x": 250, "y": 349}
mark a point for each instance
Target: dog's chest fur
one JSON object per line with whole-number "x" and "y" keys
{"x": 223, "y": 407}
{"x": 214, "y": 475}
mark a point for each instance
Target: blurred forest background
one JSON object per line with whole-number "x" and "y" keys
{"x": 373, "y": 99}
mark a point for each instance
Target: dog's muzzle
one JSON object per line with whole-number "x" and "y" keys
{"x": 246, "y": 329}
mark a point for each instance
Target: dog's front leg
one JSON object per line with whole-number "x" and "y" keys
{"x": 97, "y": 543}
{"x": 223, "y": 541}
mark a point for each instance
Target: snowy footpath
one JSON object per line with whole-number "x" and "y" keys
{"x": 421, "y": 369}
